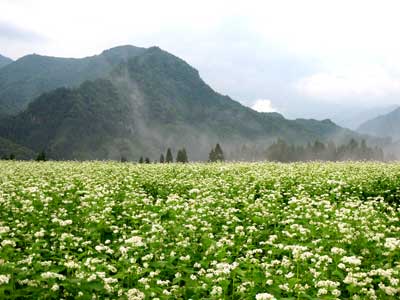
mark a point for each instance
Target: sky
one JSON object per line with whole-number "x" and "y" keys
{"x": 310, "y": 58}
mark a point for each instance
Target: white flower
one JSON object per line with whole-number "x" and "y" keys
{"x": 65, "y": 223}
{"x": 136, "y": 241}
{"x": 4, "y": 229}
{"x": 352, "y": 260}
{"x": 4, "y": 279}
{"x": 216, "y": 291}
{"x": 338, "y": 251}
{"x": 265, "y": 296}
{"x": 392, "y": 243}
{"x": 8, "y": 243}
{"x": 322, "y": 291}
{"x": 48, "y": 275}
{"x": 134, "y": 294}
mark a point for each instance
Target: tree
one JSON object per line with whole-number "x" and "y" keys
{"x": 41, "y": 156}
{"x": 279, "y": 151}
{"x": 12, "y": 156}
{"x": 162, "y": 160}
{"x": 147, "y": 160}
{"x": 179, "y": 156}
{"x": 123, "y": 159}
{"x": 211, "y": 156}
{"x": 182, "y": 156}
{"x": 219, "y": 154}
{"x": 141, "y": 160}
{"x": 169, "y": 158}
{"x": 216, "y": 154}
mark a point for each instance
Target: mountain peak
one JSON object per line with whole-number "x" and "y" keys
{"x": 4, "y": 61}
{"x": 124, "y": 51}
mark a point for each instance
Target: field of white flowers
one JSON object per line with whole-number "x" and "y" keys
{"x": 199, "y": 231}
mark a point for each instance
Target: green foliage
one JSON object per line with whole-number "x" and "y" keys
{"x": 162, "y": 160}
{"x": 72, "y": 124}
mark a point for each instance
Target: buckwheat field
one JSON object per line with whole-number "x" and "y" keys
{"x": 98, "y": 230}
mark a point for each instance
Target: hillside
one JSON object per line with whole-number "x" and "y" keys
{"x": 153, "y": 101}
{"x": 26, "y": 78}
{"x": 4, "y": 61}
{"x": 385, "y": 125}
{"x": 8, "y": 148}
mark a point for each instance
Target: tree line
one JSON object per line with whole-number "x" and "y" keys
{"x": 181, "y": 157}
{"x": 283, "y": 152}
{"x": 279, "y": 151}
{"x": 40, "y": 157}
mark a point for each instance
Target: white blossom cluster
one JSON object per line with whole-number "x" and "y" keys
{"x": 264, "y": 231}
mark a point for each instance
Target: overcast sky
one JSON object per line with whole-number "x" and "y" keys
{"x": 300, "y": 58}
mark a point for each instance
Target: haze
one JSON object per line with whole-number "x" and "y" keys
{"x": 319, "y": 59}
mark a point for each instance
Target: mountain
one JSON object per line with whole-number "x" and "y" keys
{"x": 4, "y": 61}
{"x": 384, "y": 125}
{"x": 353, "y": 117}
{"x": 28, "y": 77}
{"x": 150, "y": 102}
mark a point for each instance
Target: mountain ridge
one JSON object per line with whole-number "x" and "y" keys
{"x": 26, "y": 78}
{"x": 4, "y": 61}
{"x": 383, "y": 125}
{"x": 149, "y": 102}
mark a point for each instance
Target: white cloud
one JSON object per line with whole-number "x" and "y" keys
{"x": 360, "y": 84}
{"x": 263, "y": 105}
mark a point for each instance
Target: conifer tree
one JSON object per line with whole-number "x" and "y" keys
{"x": 169, "y": 158}
{"x": 162, "y": 158}
{"x": 219, "y": 154}
{"x": 147, "y": 160}
{"x": 179, "y": 156}
{"x": 41, "y": 156}
{"x": 141, "y": 160}
{"x": 211, "y": 155}
{"x": 184, "y": 156}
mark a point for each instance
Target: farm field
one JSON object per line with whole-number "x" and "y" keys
{"x": 98, "y": 230}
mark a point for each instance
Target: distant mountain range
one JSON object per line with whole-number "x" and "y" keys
{"x": 129, "y": 102}
{"x": 384, "y": 125}
{"x": 353, "y": 117}
{"x": 4, "y": 61}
